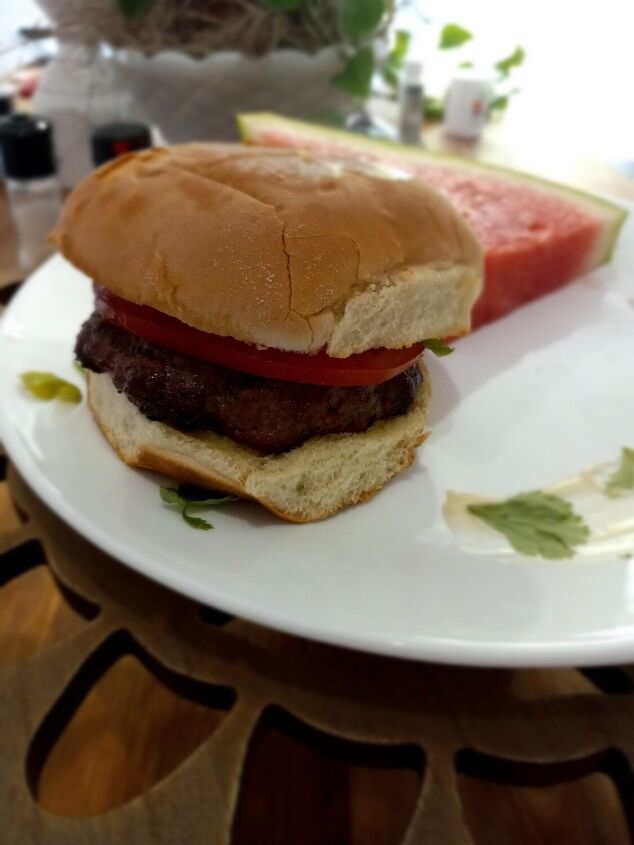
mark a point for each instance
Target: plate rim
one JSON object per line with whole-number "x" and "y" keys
{"x": 600, "y": 649}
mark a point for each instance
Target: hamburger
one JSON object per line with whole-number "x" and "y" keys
{"x": 260, "y": 317}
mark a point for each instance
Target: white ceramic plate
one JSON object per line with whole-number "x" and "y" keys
{"x": 532, "y": 399}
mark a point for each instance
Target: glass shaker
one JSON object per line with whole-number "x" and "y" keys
{"x": 26, "y": 144}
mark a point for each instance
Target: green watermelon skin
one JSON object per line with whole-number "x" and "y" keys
{"x": 537, "y": 235}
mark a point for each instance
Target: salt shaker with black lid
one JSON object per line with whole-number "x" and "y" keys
{"x": 26, "y": 145}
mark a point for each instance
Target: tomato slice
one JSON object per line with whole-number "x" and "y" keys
{"x": 372, "y": 367}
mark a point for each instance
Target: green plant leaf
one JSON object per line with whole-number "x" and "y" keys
{"x": 438, "y": 347}
{"x": 536, "y": 524}
{"x": 390, "y": 75}
{"x": 396, "y": 58}
{"x": 134, "y": 8}
{"x": 505, "y": 66}
{"x": 47, "y": 386}
{"x": 401, "y": 44}
{"x": 434, "y": 108}
{"x": 282, "y": 5}
{"x": 360, "y": 17}
{"x": 452, "y": 35}
{"x": 499, "y": 103}
{"x": 465, "y": 65}
{"x": 623, "y": 479}
{"x": 356, "y": 77}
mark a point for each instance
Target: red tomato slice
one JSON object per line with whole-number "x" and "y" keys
{"x": 372, "y": 367}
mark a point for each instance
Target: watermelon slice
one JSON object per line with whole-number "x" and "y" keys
{"x": 537, "y": 235}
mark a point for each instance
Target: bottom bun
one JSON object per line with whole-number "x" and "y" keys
{"x": 311, "y": 482}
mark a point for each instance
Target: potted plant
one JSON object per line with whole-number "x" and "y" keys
{"x": 190, "y": 65}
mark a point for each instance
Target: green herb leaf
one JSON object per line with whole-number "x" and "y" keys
{"x": 623, "y": 479}
{"x": 465, "y": 65}
{"x": 356, "y": 77}
{"x": 360, "y": 17}
{"x": 134, "y": 8}
{"x": 453, "y": 35}
{"x": 438, "y": 347}
{"x": 196, "y": 521}
{"x": 282, "y": 5}
{"x": 536, "y": 524}
{"x": 396, "y": 58}
{"x": 505, "y": 66}
{"x": 186, "y": 497}
{"x": 171, "y": 497}
{"x": 47, "y": 386}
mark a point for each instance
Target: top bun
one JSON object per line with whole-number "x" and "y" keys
{"x": 276, "y": 247}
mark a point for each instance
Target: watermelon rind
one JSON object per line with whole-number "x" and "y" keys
{"x": 611, "y": 216}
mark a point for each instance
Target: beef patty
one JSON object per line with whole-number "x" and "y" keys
{"x": 266, "y": 414}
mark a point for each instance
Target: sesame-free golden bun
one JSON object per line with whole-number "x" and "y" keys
{"x": 276, "y": 247}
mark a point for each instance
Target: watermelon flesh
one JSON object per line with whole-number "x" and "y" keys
{"x": 537, "y": 236}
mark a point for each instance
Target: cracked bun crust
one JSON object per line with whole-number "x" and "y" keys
{"x": 276, "y": 247}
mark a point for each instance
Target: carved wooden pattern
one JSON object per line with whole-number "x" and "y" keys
{"x": 444, "y": 725}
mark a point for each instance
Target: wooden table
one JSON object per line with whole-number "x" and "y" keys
{"x": 128, "y": 729}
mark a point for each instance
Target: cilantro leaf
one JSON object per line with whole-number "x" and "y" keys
{"x": 48, "y": 386}
{"x": 438, "y": 347}
{"x": 196, "y": 521}
{"x": 536, "y": 524}
{"x": 171, "y": 497}
{"x": 186, "y": 497}
{"x": 356, "y": 77}
{"x": 505, "y": 66}
{"x": 453, "y": 35}
{"x": 623, "y": 479}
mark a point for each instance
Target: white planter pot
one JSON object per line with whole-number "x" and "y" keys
{"x": 198, "y": 99}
